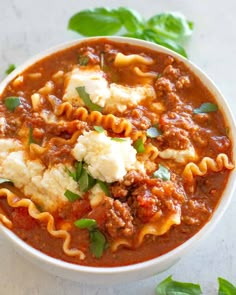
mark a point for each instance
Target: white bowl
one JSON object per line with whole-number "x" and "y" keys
{"x": 115, "y": 275}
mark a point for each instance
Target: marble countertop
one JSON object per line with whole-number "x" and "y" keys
{"x": 28, "y": 27}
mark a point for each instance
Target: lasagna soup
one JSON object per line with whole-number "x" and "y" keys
{"x": 110, "y": 154}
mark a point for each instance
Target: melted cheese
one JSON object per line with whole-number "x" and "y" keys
{"x": 180, "y": 156}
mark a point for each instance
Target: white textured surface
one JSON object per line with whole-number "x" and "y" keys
{"x": 28, "y": 27}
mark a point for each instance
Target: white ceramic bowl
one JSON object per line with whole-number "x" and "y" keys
{"x": 115, "y": 275}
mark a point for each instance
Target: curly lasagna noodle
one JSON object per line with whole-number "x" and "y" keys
{"x": 110, "y": 154}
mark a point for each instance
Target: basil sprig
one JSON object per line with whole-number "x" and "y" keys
{"x": 169, "y": 286}
{"x": 86, "y": 99}
{"x": 167, "y": 29}
{"x": 162, "y": 173}
{"x": 206, "y": 107}
{"x": 98, "y": 241}
{"x": 12, "y": 102}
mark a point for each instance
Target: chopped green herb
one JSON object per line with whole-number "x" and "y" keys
{"x": 83, "y": 60}
{"x": 12, "y": 102}
{"x": 139, "y": 146}
{"x": 225, "y": 287}
{"x": 153, "y": 132}
{"x": 78, "y": 169}
{"x": 104, "y": 186}
{"x": 97, "y": 243}
{"x": 162, "y": 173}
{"x": 206, "y": 107}
{"x": 3, "y": 180}
{"x": 86, "y": 99}
{"x": 71, "y": 174}
{"x": 71, "y": 196}
{"x": 86, "y": 223}
{"x": 86, "y": 181}
{"x": 118, "y": 139}
{"x": 10, "y": 69}
{"x": 170, "y": 287}
{"x": 99, "y": 129}
{"x": 31, "y": 137}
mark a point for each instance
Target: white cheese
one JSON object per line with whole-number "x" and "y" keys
{"x": 107, "y": 160}
{"x": 180, "y": 156}
{"x": 45, "y": 187}
{"x": 94, "y": 82}
{"x": 124, "y": 96}
{"x": 96, "y": 195}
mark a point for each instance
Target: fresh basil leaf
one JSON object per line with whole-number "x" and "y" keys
{"x": 12, "y": 102}
{"x": 130, "y": 19}
{"x": 86, "y": 223}
{"x": 206, "y": 107}
{"x": 170, "y": 287}
{"x": 86, "y": 181}
{"x": 139, "y": 146}
{"x": 225, "y": 287}
{"x": 71, "y": 196}
{"x": 162, "y": 173}
{"x": 153, "y": 132}
{"x": 172, "y": 25}
{"x": 86, "y": 99}
{"x": 95, "y": 22}
{"x": 10, "y": 69}
{"x": 104, "y": 186}
{"x": 97, "y": 243}
{"x": 78, "y": 170}
{"x": 118, "y": 139}
{"x": 71, "y": 174}
{"x": 83, "y": 60}
{"x": 3, "y": 180}
{"x": 152, "y": 36}
{"x": 99, "y": 129}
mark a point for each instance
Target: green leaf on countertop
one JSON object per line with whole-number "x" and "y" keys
{"x": 162, "y": 173}
{"x": 206, "y": 107}
{"x": 71, "y": 196}
{"x": 171, "y": 25}
{"x": 86, "y": 99}
{"x": 170, "y": 287}
{"x": 95, "y": 22}
{"x": 12, "y": 102}
{"x": 10, "y": 69}
{"x": 139, "y": 146}
{"x": 167, "y": 29}
{"x": 225, "y": 287}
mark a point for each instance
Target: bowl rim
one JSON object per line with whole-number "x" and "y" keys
{"x": 219, "y": 210}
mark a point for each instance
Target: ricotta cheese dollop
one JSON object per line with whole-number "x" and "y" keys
{"x": 108, "y": 160}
